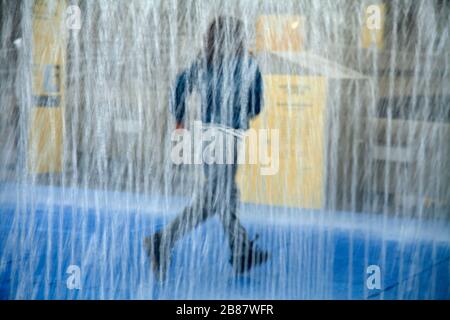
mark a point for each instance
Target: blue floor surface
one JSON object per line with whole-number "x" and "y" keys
{"x": 40, "y": 239}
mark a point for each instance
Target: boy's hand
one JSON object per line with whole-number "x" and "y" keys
{"x": 179, "y": 126}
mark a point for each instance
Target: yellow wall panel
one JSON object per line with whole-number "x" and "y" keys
{"x": 45, "y": 143}
{"x": 46, "y": 140}
{"x": 295, "y": 106}
{"x": 280, "y": 33}
{"x": 373, "y": 36}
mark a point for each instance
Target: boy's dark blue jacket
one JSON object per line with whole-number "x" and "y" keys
{"x": 231, "y": 94}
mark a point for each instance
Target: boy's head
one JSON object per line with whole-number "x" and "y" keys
{"x": 225, "y": 39}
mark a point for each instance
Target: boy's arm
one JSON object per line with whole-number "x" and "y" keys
{"x": 256, "y": 98}
{"x": 183, "y": 87}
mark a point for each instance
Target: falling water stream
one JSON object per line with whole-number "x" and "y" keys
{"x": 85, "y": 150}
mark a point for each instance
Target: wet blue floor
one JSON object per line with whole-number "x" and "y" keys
{"x": 307, "y": 261}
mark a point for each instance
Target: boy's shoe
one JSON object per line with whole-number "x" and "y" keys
{"x": 248, "y": 259}
{"x": 157, "y": 254}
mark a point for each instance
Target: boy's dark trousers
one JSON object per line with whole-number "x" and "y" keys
{"x": 219, "y": 196}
